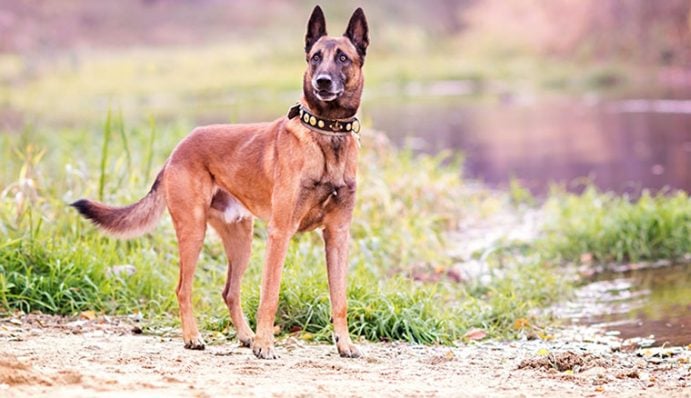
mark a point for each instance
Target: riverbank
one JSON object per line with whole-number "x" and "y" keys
{"x": 47, "y": 356}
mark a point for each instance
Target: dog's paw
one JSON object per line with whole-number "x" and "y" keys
{"x": 264, "y": 350}
{"x": 196, "y": 343}
{"x": 246, "y": 340}
{"x": 347, "y": 349}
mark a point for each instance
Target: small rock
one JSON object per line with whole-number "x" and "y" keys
{"x": 472, "y": 271}
{"x": 136, "y": 316}
{"x": 475, "y": 334}
{"x": 655, "y": 360}
{"x": 633, "y": 374}
{"x": 596, "y": 371}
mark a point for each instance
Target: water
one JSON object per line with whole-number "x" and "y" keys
{"x": 620, "y": 145}
{"x": 624, "y": 146}
{"x": 653, "y": 302}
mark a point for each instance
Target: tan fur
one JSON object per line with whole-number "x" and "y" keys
{"x": 294, "y": 178}
{"x": 129, "y": 221}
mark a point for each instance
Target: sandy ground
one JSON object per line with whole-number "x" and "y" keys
{"x": 42, "y": 356}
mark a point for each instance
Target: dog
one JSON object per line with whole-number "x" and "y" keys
{"x": 298, "y": 173}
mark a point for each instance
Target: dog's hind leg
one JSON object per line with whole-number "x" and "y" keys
{"x": 237, "y": 242}
{"x": 188, "y": 197}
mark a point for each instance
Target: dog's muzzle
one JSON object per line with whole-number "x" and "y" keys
{"x": 325, "y": 89}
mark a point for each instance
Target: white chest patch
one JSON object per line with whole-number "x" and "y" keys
{"x": 235, "y": 212}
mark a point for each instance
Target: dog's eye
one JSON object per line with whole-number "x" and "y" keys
{"x": 343, "y": 58}
{"x": 316, "y": 58}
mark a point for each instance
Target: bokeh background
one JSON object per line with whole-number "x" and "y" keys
{"x": 539, "y": 91}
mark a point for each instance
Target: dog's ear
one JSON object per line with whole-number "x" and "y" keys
{"x": 357, "y": 31}
{"x": 316, "y": 28}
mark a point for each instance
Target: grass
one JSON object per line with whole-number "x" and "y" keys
{"x": 53, "y": 261}
{"x": 608, "y": 227}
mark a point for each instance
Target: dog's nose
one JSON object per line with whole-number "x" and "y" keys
{"x": 323, "y": 82}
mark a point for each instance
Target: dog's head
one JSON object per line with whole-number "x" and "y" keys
{"x": 333, "y": 81}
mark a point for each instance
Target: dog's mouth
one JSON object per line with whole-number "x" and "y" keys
{"x": 327, "y": 95}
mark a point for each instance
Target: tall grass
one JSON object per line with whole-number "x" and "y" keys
{"x": 53, "y": 261}
{"x": 608, "y": 227}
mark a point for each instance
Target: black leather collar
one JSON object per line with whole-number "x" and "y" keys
{"x": 322, "y": 125}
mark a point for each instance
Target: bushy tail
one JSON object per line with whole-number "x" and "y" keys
{"x": 128, "y": 221}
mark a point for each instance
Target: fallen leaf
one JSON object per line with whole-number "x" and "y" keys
{"x": 89, "y": 315}
{"x": 543, "y": 352}
{"x": 545, "y": 336}
{"x": 599, "y": 389}
{"x": 295, "y": 329}
{"x": 475, "y": 334}
{"x": 521, "y": 323}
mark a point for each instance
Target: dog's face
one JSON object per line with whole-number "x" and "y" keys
{"x": 333, "y": 81}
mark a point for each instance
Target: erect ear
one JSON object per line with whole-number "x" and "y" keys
{"x": 357, "y": 31}
{"x": 316, "y": 28}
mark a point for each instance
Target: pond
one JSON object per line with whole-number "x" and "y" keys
{"x": 652, "y": 303}
{"x": 623, "y": 145}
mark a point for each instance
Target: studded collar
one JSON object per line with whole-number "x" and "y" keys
{"x": 337, "y": 127}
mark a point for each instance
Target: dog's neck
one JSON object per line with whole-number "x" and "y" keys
{"x": 331, "y": 127}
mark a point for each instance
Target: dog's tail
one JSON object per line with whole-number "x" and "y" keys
{"x": 128, "y": 221}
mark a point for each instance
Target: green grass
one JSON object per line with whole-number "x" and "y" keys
{"x": 53, "y": 261}
{"x": 609, "y": 227}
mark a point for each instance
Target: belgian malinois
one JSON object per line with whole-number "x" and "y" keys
{"x": 297, "y": 172}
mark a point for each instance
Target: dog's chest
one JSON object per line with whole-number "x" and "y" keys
{"x": 319, "y": 197}
{"x": 322, "y": 199}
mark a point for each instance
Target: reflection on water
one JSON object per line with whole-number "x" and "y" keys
{"x": 623, "y": 146}
{"x": 640, "y": 303}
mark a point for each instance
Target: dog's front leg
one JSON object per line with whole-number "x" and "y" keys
{"x": 336, "y": 240}
{"x": 279, "y": 237}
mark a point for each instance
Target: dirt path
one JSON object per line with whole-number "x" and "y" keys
{"x": 44, "y": 356}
